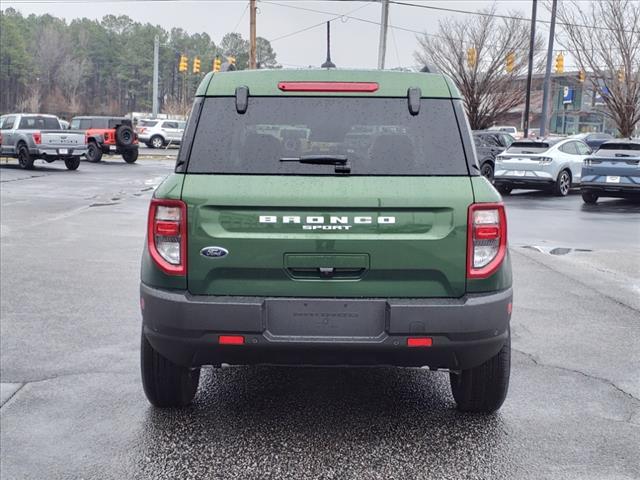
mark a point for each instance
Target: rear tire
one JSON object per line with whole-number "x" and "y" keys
{"x": 563, "y": 184}
{"x": 590, "y": 198}
{"x": 72, "y": 163}
{"x": 130, "y": 156}
{"x": 486, "y": 170}
{"x": 504, "y": 189}
{"x": 157, "y": 141}
{"x": 94, "y": 152}
{"x": 24, "y": 157}
{"x": 483, "y": 389}
{"x": 166, "y": 384}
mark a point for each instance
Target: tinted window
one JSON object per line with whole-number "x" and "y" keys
{"x": 39, "y": 123}
{"x": 507, "y": 140}
{"x": 606, "y": 148}
{"x": 378, "y": 136}
{"x": 147, "y": 123}
{"x": 8, "y": 123}
{"x": 582, "y": 148}
{"x": 170, "y": 125}
{"x": 528, "y": 147}
{"x": 80, "y": 124}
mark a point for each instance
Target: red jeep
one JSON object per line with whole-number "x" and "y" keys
{"x": 108, "y": 136}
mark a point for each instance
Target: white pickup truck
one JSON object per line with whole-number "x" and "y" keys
{"x": 29, "y": 137}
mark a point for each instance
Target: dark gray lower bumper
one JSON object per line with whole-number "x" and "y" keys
{"x": 465, "y": 331}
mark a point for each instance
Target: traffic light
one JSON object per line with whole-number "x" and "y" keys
{"x": 183, "y": 66}
{"x": 560, "y": 63}
{"x": 621, "y": 75}
{"x": 511, "y": 62}
{"x": 216, "y": 64}
{"x": 582, "y": 76}
{"x": 471, "y": 57}
{"x": 196, "y": 65}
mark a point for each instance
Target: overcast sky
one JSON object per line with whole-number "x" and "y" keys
{"x": 354, "y": 42}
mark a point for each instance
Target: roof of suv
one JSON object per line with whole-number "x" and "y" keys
{"x": 265, "y": 82}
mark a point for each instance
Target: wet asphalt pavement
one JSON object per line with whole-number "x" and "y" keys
{"x": 73, "y": 406}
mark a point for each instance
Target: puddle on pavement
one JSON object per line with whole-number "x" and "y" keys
{"x": 556, "y": 250}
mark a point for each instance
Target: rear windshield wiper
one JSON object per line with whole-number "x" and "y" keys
{"x": 340, "y": 161}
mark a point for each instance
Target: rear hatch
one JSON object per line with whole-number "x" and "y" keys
{"x": 523, "y": 156}
{"x": 614, "y": 163}
{"x": 327, "y": 197}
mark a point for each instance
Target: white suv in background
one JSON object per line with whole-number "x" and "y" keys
{"x": 546, "y": 164}
{"x": 159, "y": 133}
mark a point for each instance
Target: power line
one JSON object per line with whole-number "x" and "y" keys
{"x": 241, "y": 17}
{"x": 497, "y": 15}
{"x": 310, "y": 27}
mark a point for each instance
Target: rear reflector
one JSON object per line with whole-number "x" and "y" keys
{"x": 328, "y": 86}
{"x": 419, "y": 342}
{"x": 231, "y": 340}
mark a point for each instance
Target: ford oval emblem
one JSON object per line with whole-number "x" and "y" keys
{"x": 214, "y": 252}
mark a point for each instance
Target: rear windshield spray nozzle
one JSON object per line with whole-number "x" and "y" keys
{"x": 242, "y": 99}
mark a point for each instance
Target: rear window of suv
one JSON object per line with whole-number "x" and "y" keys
{"x": 379, "y": 136}
{"x": 529, "y": 147}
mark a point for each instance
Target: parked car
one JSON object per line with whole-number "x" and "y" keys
{"x": 547, "y": 164}
{"x": 513, "y": 131}
{"x": 261, "y": 249}
{"x": 612, "y": 171}
{"x": 593, "y": 139}
{"x": 488, "y": 145}
{"x": 108, "y": 136}
{"x": 158, "y": 133}
{"x": 33, "y": 136}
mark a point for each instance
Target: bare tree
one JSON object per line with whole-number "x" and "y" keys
{"x": 474, "y": 53}
{"x": 175, "y": 106}
{"x": 31, "y": 101}
{"x": 70, "y": 80}
{"x": 606, "y": 43}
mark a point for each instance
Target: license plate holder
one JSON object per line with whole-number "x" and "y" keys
{"x": 63, "y": 151}
{"x": 325, "y": 317}
{"x": 613, "y": 179}
{"x": 518, "y": 173}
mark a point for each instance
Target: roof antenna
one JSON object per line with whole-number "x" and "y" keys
{"x": 328, "y": 63}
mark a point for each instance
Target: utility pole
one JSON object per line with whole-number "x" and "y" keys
{"x": 547, "y": 73}
{"x": 252, "y": 34}
{"x": 384, "y": 24}
{"x": 532, "y": 40}
{"x": 156, "y": 54}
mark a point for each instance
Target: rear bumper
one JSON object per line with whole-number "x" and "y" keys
{"x": 465, "y": 332}
{"x": 55, "y": 152}
{"x": 611, "y": 189}
{"x": 524, "y": 182}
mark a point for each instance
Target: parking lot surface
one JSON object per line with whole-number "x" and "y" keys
{"x": 73, "y": 406}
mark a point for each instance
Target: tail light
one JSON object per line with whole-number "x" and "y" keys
{"x": 141, "y": 129}
{"x": 167, "y": 235}
{"x": 486, "y": 239}
{"x": 546, "y": 160}
{"x": 37, "y": 138}
{"x": 108, "y": 137}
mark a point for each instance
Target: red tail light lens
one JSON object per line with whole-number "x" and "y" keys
{"x": 486, "y": 239}
{"x": 37, "y": 138}
{"x": 363, "y": 87}
{"x": 419, "y": 342}
{"x": 231, "y": 340}
{"x": 167, "y": 235}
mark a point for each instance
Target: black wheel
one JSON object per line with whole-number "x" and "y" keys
{"x": 125, "y": 135}
{"x": 72, "y": 163}
{"x": 94, "y": 152}
{"x": 165, "y": 383}
{"x": 24, "y": 157}
{"x": 157, "y": 141}
{"x": 563, "y": 184}
{"x": 590, "y": 198}
{"x": 484, "y": 388}
{"x": 130, "y": 156}
{"x": 504, "y": 189}
{"x": 486, "y": 170}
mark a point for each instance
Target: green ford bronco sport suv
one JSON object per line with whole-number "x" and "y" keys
{"x": 327, "y": 217}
